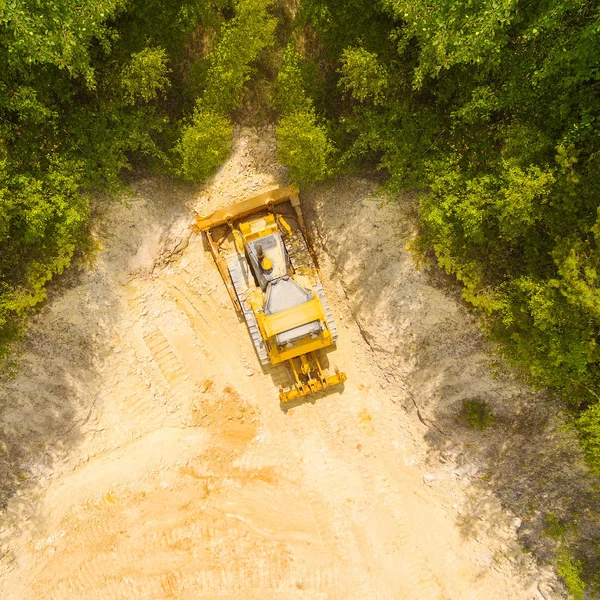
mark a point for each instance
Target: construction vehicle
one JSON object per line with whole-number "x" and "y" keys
{"x": 261, "y": 250}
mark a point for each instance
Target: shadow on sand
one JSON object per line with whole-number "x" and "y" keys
{"x": 57, "y": 384}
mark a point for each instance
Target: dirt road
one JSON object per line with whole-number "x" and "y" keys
{"x": 148, "y": 457}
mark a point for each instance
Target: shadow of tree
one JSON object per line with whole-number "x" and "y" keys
{"x": 43, "y": 408}
{"x": 45, "y": 405}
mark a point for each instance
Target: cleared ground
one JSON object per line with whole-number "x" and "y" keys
{"x": 147, "y": 455}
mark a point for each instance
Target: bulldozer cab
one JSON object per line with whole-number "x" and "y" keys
{"x": 268, "y": 258}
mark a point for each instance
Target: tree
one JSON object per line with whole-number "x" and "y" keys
{"x": 81, "y": 94}
{"x": 302, "y": 146}
{"x": 204, "y": 145}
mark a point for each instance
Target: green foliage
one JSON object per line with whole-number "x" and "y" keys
{"x": 84, "y": 94}
{"x": 231, "y": 60}
{"x": 339, "y": 27}
{"x": 492, "y": 107}
{"x": 42, "y": 220}
{"x": 290, "y": 94}
{"x": 204, "y": 145}
{"x": 499, "y": 234}
{"x": 554, "y": 528}
{"x": 207, "y": 141}
{"x": 303, "y": 146}
{"x": 363, "y": 76}
{"x": 570, "y": 570}
{"x": 145, "y": 75}
{"x": 476, "y": 414}
{"x": 453, "y": 33}
{"x": 59, "y": 34}
{"x": 589, "y": 426}
{"x": 478, "y": 226}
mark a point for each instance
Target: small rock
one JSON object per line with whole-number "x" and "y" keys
{"x": 183, "y": 244}
{"x": 412, "y": 461}
{"x": 544, "y": 591}
{"x": 429, "y": 478}
{"x": 460, "y": 472}
{"x": 516, "y": 523}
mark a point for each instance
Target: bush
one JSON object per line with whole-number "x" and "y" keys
{"x": 290, "y": 95}
{"x": 204, "y": 145}
{"x": 363, "y": 76}
{"x": 570, "y": 571}
{"x": 145, "y": 75}
{"x": 303, "y": 147}
{"x": 42, "y": 221}
{"x": 477, "y": 414}
{"x": 242, "y": 40}
{"x": 589, "y": 428}
{"x": 554, "y": 528}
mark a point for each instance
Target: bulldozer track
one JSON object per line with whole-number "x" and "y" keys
{"x": 241, "y": 279}
{"x": 183, "y": 388}
{"x": 166, "y": 359}
{"x": 198, "y": 310}
{"x": 328, "y": 311}
{"x": 325, "y": 482}
{"x": 321, "y": 515}
{"x": 256, "y": 458}
{"x": 303, "y": 263}
{"x": 107, "y": 577}
{"x": 201, "y": 303}
{"x": 138, "y": 404}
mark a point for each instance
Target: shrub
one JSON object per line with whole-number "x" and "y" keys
{"x": 589, "y": 428}
{"x": 554, "y": 528}
{"x": 363, "y": 76}
{"x": 145, "y": 75}
{"x": 303, "y": 146}
{"x": 477, "y": 414}
{"x": 570, "y": 570}
{"x": 290, "y": 95}
{"x": 42, "y": 221}
{"x": 204, "y": 145}
{"x": 242, "y": 40}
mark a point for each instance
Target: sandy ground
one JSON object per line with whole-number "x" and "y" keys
{"x": 146, "y": 454}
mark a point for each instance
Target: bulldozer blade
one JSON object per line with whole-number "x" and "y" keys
{"x": 245, "y": 208}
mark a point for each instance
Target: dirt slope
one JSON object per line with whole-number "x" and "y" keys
{"x": 147, "y": 455}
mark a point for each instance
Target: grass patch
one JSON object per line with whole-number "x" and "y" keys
{"x": 570, "y": 571}
{"x": 554, "y": 529}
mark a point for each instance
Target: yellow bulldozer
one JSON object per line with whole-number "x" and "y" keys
{"x": 260, "y": 248}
